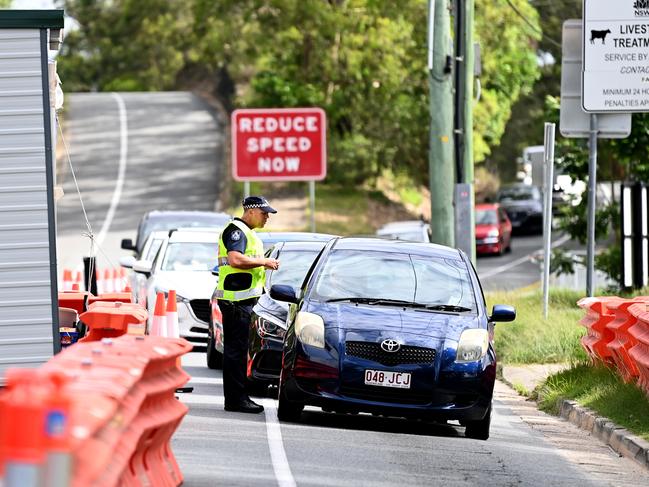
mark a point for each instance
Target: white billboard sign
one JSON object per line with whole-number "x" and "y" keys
{"x": 574, "y": 121}
{"x": 616, "y": 56}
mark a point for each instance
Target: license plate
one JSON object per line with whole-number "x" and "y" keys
{"x": 384, "y": 378}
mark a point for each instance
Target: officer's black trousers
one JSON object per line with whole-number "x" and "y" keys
{"x": 236, "y": 324}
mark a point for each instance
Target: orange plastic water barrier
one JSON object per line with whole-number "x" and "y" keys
{"x": 626, "y": 315}
{"x": 115, "y": 414}
{"x": 639, "y": 352}
{"x": 598, "y": 336}
{"x": 107, "y": 319}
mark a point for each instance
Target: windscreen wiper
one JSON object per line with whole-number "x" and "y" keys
{"x": 447, "y": 307}
{"x": 377, "y": 301}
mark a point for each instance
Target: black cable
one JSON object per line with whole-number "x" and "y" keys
{"x": 530, "y": 24}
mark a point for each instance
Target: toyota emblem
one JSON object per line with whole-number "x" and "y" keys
{"x": 390, "y": 345}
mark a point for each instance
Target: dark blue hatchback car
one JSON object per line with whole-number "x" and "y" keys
{"x": 390, "y": 327}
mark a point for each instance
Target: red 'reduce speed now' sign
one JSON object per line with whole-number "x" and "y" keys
{"x": 279, "y": 144}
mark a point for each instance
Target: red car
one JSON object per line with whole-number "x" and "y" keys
{"x": 493, "y": 230}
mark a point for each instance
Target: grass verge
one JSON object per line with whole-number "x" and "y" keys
{"x": 534, "y": 340}
{"x": 531, "y": 339}
{"x": 600, "y": 389}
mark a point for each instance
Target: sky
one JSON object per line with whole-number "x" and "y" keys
{"x": 32, "y": 4}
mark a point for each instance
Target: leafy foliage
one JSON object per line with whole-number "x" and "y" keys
{"x": 363, "y": 61}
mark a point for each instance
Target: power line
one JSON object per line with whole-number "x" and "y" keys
{"x": 530, "y": 24}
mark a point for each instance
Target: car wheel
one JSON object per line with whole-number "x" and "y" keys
{"x": 287, "y": 410}
{"x": 479, "y": 430}
{"x": 214, "y": 358}
{"x": 509, "y": 246}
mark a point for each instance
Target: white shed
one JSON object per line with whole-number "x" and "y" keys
{"x": 28, "y": 289}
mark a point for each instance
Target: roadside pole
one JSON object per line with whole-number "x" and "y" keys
{"x": 469, "y": 72}
{"x": 440, "y": 161}
{"x": 548, "y": 163}
{"x": 312, "y": 203}
{"x": 246, "y": 189}
{"x": 592, "y": 200}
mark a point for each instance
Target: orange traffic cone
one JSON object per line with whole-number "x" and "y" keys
{"x": 173, "y": 329}
{"x": 108, "y": 281}
{"x": 67, "y": 280}
{"x": 100, "y": 282}
{"x": 159, "y": 322}
{"x": 78, "y": 280}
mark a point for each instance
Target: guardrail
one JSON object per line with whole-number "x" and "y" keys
{"x": 617, "y": 335}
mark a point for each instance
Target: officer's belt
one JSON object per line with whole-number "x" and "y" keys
{"x": 238, "y": 295}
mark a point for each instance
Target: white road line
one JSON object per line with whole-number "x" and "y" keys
{"x": 123, "y": 152}
{"x": 520, "y": 260}
{"x": 276, "y": 446}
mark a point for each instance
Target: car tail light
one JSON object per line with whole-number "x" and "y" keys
{"x": 313, "y": 370}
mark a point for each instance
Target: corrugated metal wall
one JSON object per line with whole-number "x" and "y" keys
{"x": 25, "y": 293}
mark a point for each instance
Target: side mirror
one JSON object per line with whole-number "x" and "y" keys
{"x": 127, "y": 244}
{"x": 282, "y": 292}
{"x": 143, "y": 267}
{"x": 215, "y": 270}
{"x": 127, "y": 261}
{"x": 502, "y": 313}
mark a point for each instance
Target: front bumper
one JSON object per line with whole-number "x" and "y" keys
{"x": 264, "y": 358}
{"x": 484, "y": 248}
{"x": 459, "y": 392}
{"x": 191, "y": 327}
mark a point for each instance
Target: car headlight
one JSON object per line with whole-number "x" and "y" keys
{"x": 473, "y": 345}
{"x": 493, "y": 233}
{"x": 269, "y": 329}
{"x": 309, "y": 329}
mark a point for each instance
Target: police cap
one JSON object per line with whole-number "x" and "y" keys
{"x": 258, "y": 202}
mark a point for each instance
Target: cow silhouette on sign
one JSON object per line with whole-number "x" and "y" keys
{"x": 599, "y": 34}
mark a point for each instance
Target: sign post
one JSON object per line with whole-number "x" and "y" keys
{"x": 548, "y": 185}
{"x": 615, "y": 78}
{"x": 280, "y": 144}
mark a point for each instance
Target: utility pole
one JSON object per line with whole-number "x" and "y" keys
{"x": 440, "y": 160}
{"x": 468, "y": 80}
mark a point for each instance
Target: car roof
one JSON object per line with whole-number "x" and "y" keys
{"x": 172, "y": 214}
{"x": 268, "y": 237}
{"x": 403, "y": 224}
{"x": 302, "y": 246}
{"x": 398, "y": 246}
{"x": 204, "y": 236}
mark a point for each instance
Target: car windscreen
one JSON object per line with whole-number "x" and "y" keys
{"x": 190, "y": 256}
{"x": 486, "y": 217}
{"x": 294, "y": 265}
{"x": 394, "y": 276}
{"x": 519, "y": 194}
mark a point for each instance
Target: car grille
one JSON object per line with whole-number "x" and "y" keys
{"x": 385, "y": 394}
{"x": 201, "y": 308}
{"x": 405, "y": 355}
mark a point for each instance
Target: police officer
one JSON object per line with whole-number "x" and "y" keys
{"x": 242, "y": 267}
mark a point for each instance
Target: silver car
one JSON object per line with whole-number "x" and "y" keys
{"x": 184, "y": 263}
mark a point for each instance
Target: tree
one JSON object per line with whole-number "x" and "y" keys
{"x": 129, "y": 45}
{"x": 525, "y": 126}
{"x": 363, "y": 61}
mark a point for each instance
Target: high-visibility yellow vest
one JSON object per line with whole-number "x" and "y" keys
{"x": 254, "y": 248}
